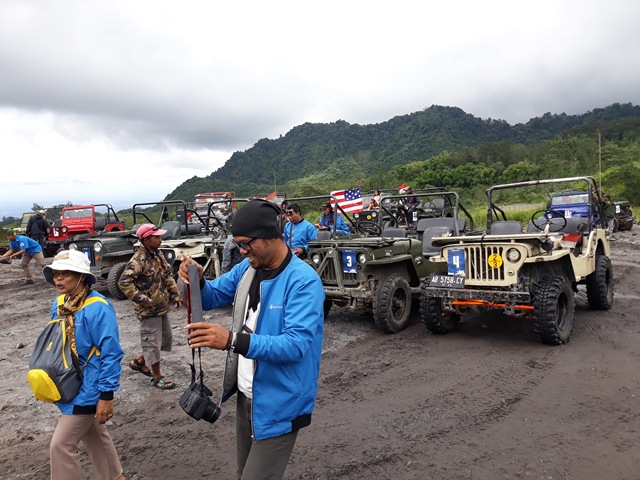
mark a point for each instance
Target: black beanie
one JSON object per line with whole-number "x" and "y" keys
{"x": 257, "y": 219}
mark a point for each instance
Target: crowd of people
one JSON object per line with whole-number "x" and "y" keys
{"x": 277, "y": 332}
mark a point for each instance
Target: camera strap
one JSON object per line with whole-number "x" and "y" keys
{"x": 194, "y": 314}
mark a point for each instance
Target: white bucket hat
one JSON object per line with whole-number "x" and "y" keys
{"x": 72, "y": 260}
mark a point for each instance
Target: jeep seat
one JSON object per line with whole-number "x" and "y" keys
{"x": 449, "y": 222}
{"x": 190, "y": 229}
{"x": 100, "y": 223}
{"x": 394, "y": 232}
{"x": 505, "y": 227}
{"x": 172, "y": 228}
{"x": 428, "y": 248}
{"x": 436, "y": 203}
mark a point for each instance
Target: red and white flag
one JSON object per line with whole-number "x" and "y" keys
{"x": 349, "y": 200}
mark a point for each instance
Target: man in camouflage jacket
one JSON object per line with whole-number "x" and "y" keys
{"x": 147, "y": 280}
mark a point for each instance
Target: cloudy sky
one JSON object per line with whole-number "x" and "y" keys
{"x": 121, "y": 101}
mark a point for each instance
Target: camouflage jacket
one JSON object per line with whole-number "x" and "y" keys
{"x": 148, "y": 281}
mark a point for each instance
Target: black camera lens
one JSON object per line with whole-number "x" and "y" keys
{"x": 196, "y": 403}
{"x": 212, "y": 413}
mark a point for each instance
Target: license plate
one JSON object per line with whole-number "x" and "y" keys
{"x": 448, "y": 281}
{"x": 349, "y": 261}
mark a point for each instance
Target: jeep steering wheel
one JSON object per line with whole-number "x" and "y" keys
{"x": 369, "y": 228}
{"x": 547, "y": 217}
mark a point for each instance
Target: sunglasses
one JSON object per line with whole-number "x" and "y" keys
{"x": 148, "y": 233}
{"x": 244, "y": 244}
{"x": 290, "y": 212}
{"x": 61, "y": 273}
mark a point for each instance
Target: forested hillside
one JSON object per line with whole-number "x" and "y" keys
{"x": 437, "y": 146}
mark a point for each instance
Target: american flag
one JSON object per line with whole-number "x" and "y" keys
{"x": 349, "y": 200}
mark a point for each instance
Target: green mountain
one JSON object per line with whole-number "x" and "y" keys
{"x": 311, "y": 158}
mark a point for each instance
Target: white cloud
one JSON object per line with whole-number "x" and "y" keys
{"x": 163, "y": 91}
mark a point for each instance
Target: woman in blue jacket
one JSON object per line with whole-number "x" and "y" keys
{"x": 91, "y": 320}
{"x": 274, "y": 344}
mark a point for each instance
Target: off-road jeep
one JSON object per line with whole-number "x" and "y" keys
{"x": 529, "y": 272}
{"x": 624, "y": 216}
{"x": 379, "y": 268}
{"x": 109, "y": 251}
{"x": 200, "y": 238}
{"x": 81, "y": 219}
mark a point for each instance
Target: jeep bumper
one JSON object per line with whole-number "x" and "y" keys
{"x": 493, "y": 296}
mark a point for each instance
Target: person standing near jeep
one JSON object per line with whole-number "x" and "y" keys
{"x": 274, "y": 344}
{"x": 28, "y": 248}
{"x": 609, "y": 208}
{"x": 38, "y": 227}
{"x": 147, "y": 281}
{"x": 298, "y": 232}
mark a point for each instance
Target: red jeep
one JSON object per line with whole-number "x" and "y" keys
{"x": 82, "y": 219}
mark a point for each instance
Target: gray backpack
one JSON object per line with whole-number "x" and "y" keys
{"x": 54, "y": 374}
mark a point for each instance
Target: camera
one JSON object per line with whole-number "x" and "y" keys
{"x": 196, "y": 403}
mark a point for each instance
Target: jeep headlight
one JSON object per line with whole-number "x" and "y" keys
{"x": 374, "y": 214}
{"x": 513, "y": 255}
{"x": 315, "y": 258}
{"x": 362, "y": 258}
{"x": 356, "y": 216}
{"x": 169, "y": 256}
{"x": 73, "y": 246}
{"x": 97, "y": 247}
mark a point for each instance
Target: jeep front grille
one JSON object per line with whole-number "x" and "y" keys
{"x": 329, "y": 274}
{"x": 478, "y": 268}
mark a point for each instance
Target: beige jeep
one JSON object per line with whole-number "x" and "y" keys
{"x": 527, "y": 271}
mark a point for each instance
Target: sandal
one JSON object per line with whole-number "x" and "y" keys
{"x": 140, "y": 367}
{"x": 162, "y": 384}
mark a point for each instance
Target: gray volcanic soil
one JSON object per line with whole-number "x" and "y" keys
{"x": 485, "y": 402}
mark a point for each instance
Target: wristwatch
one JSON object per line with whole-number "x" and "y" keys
{"x": 233, "y": 342}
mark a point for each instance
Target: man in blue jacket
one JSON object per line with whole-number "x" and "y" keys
{"x": 28, "y": 248}
{"x": 298, "y": 232}
{"x": 274, "y": 344}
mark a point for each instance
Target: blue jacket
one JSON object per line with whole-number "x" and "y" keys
{"x": 25, "y": 243}
{"x": 286, "y": 345}
{"x": 326, "y": 220}
{"x": 298, "y": 235}
{"x": 95, "y": 325}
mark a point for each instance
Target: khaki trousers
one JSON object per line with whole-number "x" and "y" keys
{"x": 65, "y": 458}
{"x": 26, "y": 258}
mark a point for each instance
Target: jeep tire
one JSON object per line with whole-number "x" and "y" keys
{"x": 112, "y": 281}
{"x": 434, "y": 318}
{"x": 554, "y": 310}
{"x": 600, "y": 285}
{"x": 327, "y": 306}
{"x": 392, "y": 303}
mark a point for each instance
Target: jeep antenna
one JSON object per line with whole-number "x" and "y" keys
{"x": 599, "y": 160}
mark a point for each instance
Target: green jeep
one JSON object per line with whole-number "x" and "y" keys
{"x": 381, "y": 267}
{"x": 110, "y": 251}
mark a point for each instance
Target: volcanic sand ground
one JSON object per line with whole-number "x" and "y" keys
{"x": 485, "y": 402}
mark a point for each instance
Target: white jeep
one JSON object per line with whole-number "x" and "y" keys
{"x": 527, "y": 271}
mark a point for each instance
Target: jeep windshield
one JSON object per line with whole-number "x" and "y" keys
{"x": 570, "y": 199}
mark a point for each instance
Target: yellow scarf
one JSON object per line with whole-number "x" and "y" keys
{"x": 70, "y": 306}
